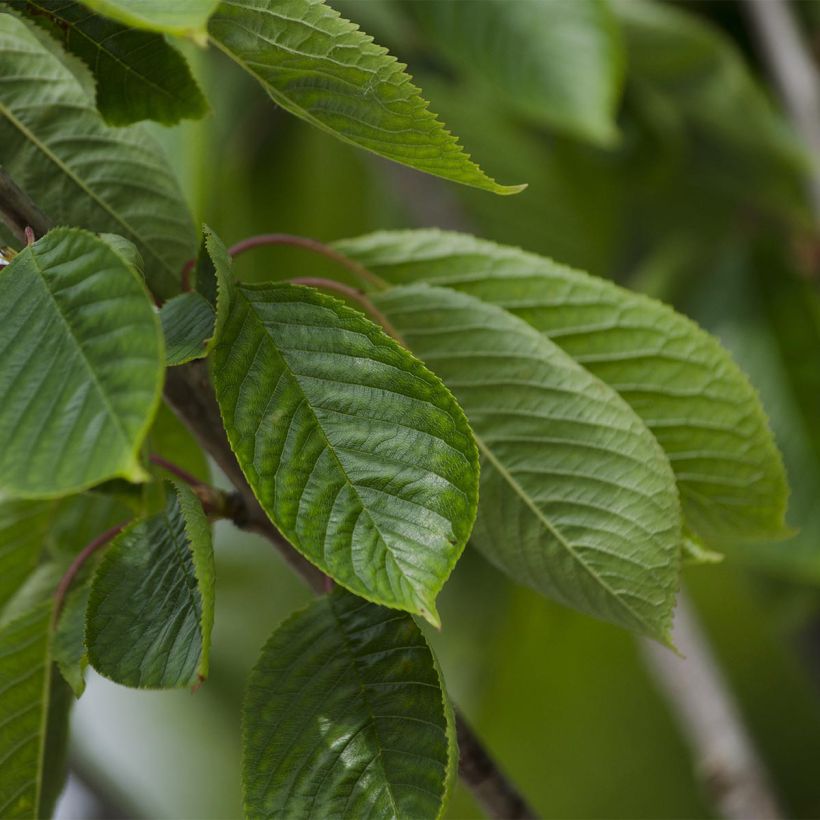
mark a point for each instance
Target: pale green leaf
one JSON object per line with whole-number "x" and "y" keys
{"x": 320, "y": 67}
{"x": 81, "y": 368}
{"x": 557, "y": 63}
{"x": 677, "y": 378}
{"x": 33, "y": 718}
{"x": 24, "y": 527}
{"x": 57, "y": 148}
{"x": 184, "y": 18}
{"x": 150, "y": 611}
{"x": 577, "y": 498}
{"x": 356, "y": 451}
{"x": 138, "y": 75}
{"x": 345, "y": 716}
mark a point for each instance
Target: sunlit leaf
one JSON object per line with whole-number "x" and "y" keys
{"x": 357, "y": 452}
{"x": 320, "y": 67}
{"x": 676, "y": 377}
{"x": 345, "y": 716}
{"x": 185, "y": 18}
{"x": 577, "y": 498}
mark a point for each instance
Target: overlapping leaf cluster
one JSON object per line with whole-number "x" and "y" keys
{"x": 605, "y": 430}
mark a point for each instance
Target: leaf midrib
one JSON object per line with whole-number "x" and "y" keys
{"x": 46, "y": 151}
{"x": 525, "y": 497}
{"x": 330, "y": 447}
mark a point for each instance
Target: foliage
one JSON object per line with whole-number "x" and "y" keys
{"x": 587, "y": 440}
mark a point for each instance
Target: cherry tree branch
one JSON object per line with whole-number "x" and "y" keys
{"x": 728, "y": 765}
{"x": 189, "y": 393}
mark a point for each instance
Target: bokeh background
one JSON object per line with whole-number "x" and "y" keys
{"x": 694, "y": 192}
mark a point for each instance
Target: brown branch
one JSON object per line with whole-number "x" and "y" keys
{"x": 18, "y": 211}
{"x": 189, "y": 393}
{"x": 731, "y": 772}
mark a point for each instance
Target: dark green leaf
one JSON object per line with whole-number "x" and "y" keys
{"x": 68, "y": 646}
{"x": 55, "y": 145}
{"x": 557, "y": 63}
{"x": 81, "y": 368}
{"x": 150, "y": 610}
{"x": 188, "y": 325}
{"x": 139, "y": 75}
{"x": 577, "y": 498}
{"x": 679, "y": 379}
{"x": 345, "y": 716}
{"x": 357, "y": 452}
{"x": 320, "y": 67}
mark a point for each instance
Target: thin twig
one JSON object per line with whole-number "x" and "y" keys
{"x": 77, "y": 564}
{"x": 356, "y": 296}
{"x": 728, "y": 765}
{"x": 312, "y": 245}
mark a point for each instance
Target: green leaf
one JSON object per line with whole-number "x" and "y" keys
{"x": 355, "y": 450}
{"x": 320, "y": 67}
{"x": 577, "y": 498}
{"x": 33, "y": 718}
{"x": 557, "y": 63}
{"x": 150, "y": 611}
{"x": 183, "y": 18}
{"x": 81, "y": 367}
{"x": 193, "y": 321}
{"x": 68, "y": 649}
{"x": 345, "y": 716}
{"x": 188, "y": 325}
{"x": 677, "y": 378}
{"x": 60, "y": 152}
{"x": 139, "y": 75}
{"x": 24, "y": 527}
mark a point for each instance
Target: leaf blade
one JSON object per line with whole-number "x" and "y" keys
{"x": 577, "y": 499}
{"x": 320, "y": 67}
{"x": 355, "y": 450}
{"x": 386, "y": 713}
{"x": 82, "y": 367}
{"x": 183, "y": 18}
{"x": 691, "y": 394}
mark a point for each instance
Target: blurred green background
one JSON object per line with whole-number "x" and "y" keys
{"x": 697, "y": 196}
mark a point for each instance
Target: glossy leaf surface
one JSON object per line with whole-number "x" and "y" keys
{"x": 677, "y": 378}
{"x": 320, "y": 67}
{"x": 150, "y": 610}
{"x": 81, "y": 369}
{"x": 577, "y": 498}
{"x": 355, "y": 450}
{"x": 57, "y": 148}
{"x": 345, "y": 716}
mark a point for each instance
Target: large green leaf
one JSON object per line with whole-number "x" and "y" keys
{"x": 184, "y": 18}
{"x": 355, "y": 450}
{"x": 81, "y": 366}
{"x": 679, "y": 379}
{"x": 320, "y": 67}
{"x": 577, "y": 498}
{"x": 55, "y": 145}
{"x": 24, "y": 527}
{"x": 558, "y": 63}
{"x": 345, "y": 716}
{"x": 139, "y": 75}
{"x": 150, "y": 610}
{"x": 33, "y": 718}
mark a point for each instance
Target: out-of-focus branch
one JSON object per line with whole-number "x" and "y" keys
{"x": 794, "y": 74}
{"x": 732, "y": 774}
